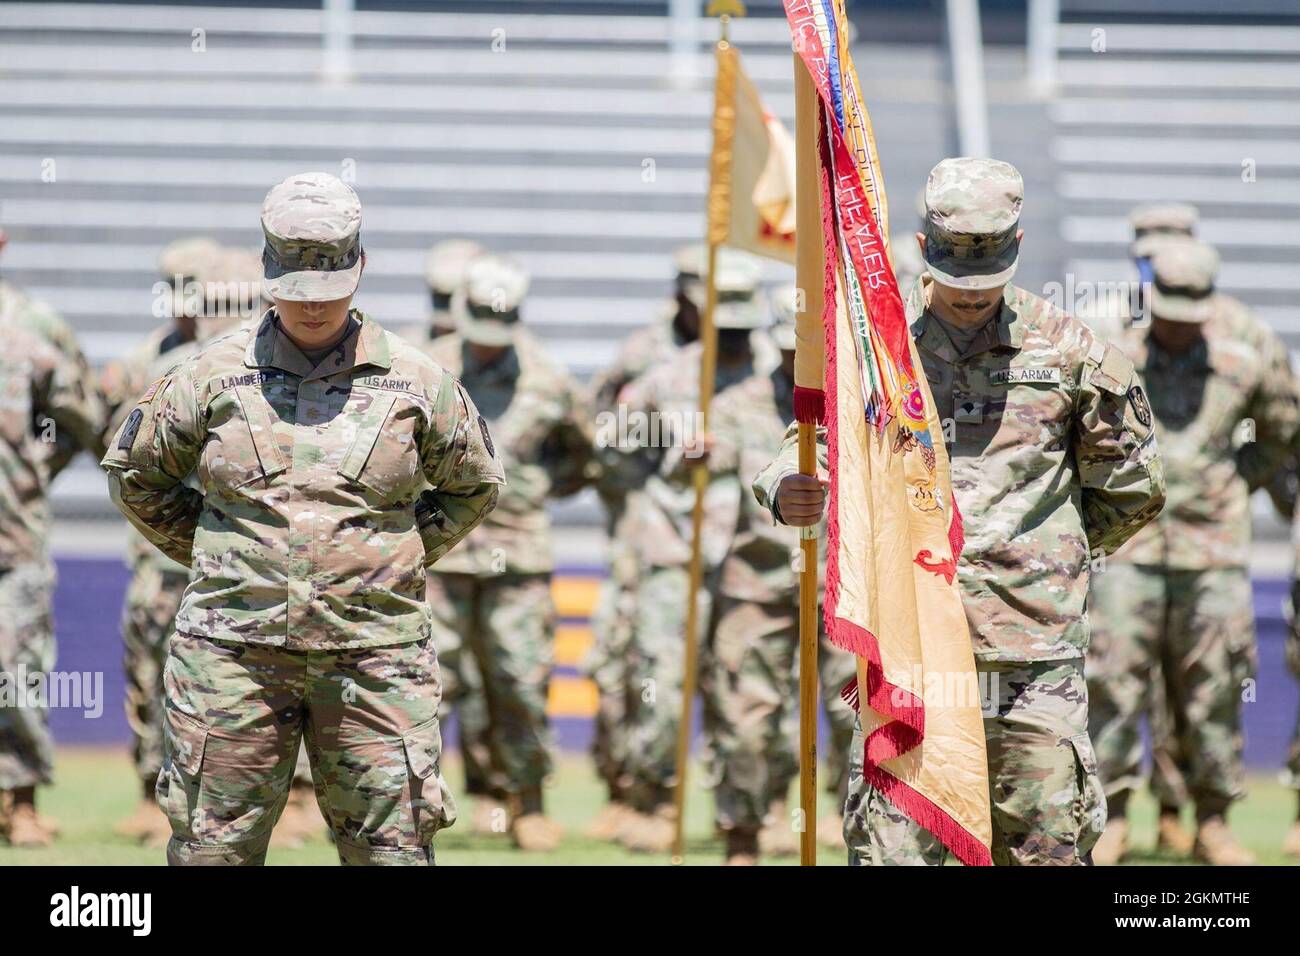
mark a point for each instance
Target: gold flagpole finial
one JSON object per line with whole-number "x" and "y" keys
{"x": 725, "y": 10}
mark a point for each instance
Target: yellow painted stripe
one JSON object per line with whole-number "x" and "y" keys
{"x": 571, "y": 643}
{"x": 575, "y": 597}
{"x": 571, "y": 697}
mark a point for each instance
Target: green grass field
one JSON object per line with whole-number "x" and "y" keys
{"x": 96, "y": 788}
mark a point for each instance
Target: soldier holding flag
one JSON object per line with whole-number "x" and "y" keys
{"x": 1054, "y": 464}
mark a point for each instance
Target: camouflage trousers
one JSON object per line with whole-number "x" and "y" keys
{"x": 148, "y": 621}
{"x": 657, "y": 666}
{"x": 1192, "y": 630}
{"x": 235, "y": 716}
{"x": 608, "y": 667}
{"x": 1047, "y": 803}
{"x": 496, "y": 639}
{"x": 751, "y": 698}
{"x": 26, "y": 649}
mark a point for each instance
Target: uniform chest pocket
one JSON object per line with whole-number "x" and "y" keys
{"x": 384, "y": 456}
{"x": 241, "y": 449}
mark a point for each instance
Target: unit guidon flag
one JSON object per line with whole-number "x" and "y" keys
{"x": 893, "y": 528}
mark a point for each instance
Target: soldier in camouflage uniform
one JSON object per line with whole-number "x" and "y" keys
{"x": 660, "y": 411}
{"x": 492, "y": 599}
{"x": 179, "y": 265}
{"x": 619, "y": 483}
{"x": 42, "y": 393}
{"x": 444, "y": 274}
{"x": 1225, "y": 409}
{"x": 29, "y": 570}
{"x": 333, "y": 464}
{"x": 1154, "y": 225}
{"x": 751, "y": 691}
{"x": 1054, "y": 464}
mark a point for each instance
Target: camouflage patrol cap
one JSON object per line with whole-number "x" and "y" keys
{"x": 972, "y": 214}
{"x": 784, "y": 314}
{"x": 741, "y": 303}
{"x": 444, "y": 269}
{"x": 312, "y": 224}
{"x": 1155, "y": 223}
{"x": 186, "y": 258}
{"x": 1185, "y": 273}
{"x": 737, "y": 275}
{"x": 487, "y": 306}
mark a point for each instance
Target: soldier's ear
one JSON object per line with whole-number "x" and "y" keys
{"x": 920, "y": 241}
{"x": 1020, "y": 234}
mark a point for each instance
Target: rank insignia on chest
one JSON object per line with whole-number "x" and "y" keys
{"x": 969, "y": 412}
{"x": 1015, "y": 376}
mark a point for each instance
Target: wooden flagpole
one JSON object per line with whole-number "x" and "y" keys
{"x": 809, "y": 278}
{"x": 718, "y": 219}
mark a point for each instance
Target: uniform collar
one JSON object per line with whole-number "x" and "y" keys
{"x": 271, "y": 348}
{"x": 1006, "y": 328}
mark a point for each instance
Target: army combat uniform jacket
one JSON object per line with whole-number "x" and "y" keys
{"x": 1226, "y": 415}
{"x": 1054, "y": 463}
{"x": 325, "y": 491}
{"x": 42, "y": 394}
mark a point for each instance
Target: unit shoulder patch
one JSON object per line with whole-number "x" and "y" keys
{"x": 1141, "y": 407}
{"x": 130, "y": 428}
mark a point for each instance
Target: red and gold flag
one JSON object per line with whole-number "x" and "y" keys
{"x": 893, "y": 529}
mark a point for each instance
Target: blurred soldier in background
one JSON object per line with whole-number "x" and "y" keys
{"x": 751, "y": 691}
{"x": 179, "y": 265}
{"x": 22, "y": 310}
{"x": 1051, "y": 437}
{"x": 46, "y": 394}
{"x": 1224, "y": 406}
{"x": 660, "y": 410}
{"x": 621, "y": 479}
{"x": 1111, "y": 316}
{"x": 1110, "y": 313}
{"x": 220, "y": 289}
{"x": 491, "y": 598}
{"x": 444, "y": 273}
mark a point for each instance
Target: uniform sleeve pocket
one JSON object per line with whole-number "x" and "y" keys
{"x": 186, "y": 739}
